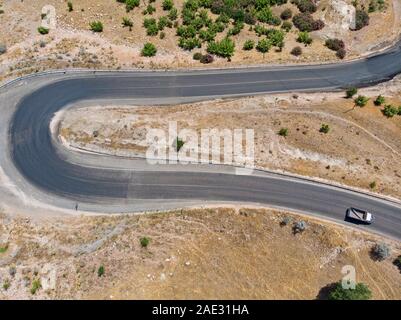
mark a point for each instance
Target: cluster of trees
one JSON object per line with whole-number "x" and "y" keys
{"x": 198, "y": 28}
{"x": 338, "y": 46}
{"x": 389, "y": 110}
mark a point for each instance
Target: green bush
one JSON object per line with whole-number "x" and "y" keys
{"x": 36, "y": 285}
{"x": 390, "y": 111}
{"x": 131, "y": 4}
{"x": 361, "y": 292}
{"x": 43, "y": 30}
{"x": 351, "y": 92}
{"x": 287, "y": 26}
{"x": 361, "y": 101}
{"x": 96, "y": 26}
{"x": 379, "y": 100}
{"x": 149, "y": 50}
{"x": 299, "y": 227}
{"x": 100, "y": 271}
{"x": 224, "y": 48}
{"x": 173, "y": 14}
{"x": 249, "y": 45}
{"x": 189, "y": 43}
{"x": 305, "y": 38}
{"x": 283, "y": 132}
{"x": 325, "y": 128}
{"x": 168, "y": 5}
{"x": 70, "y": 6}
{"x": 128, "y": 23}
{"x": 144, "y": 241}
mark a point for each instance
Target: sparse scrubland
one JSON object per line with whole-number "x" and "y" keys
{"x": 210, "y": 253}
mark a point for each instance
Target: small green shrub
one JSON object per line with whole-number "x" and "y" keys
{"x": 100, "y": 271}
{"x": 305, "y": 38}
{"x": 379, "y": 100}
{"x": 149, "y": 50}
{"x": 283, "y": 132}
{"x": 36, "y": 285}
{"x": 351, "y": 92}
{"x": 249, "y": 45}
{"x": 6, "y": 284}
{"x": 361, "y": 101}
{"x": 70, "y": 6}
{"x": 390, "y": 111}
{"x": 127, "y": 22}
{"x": 167, "y": 5}
{"x": 96, "y": 26}
{"x": 144, "y": 241}
{"x": 43, "y": 30}
{"x": 286, "y": 26}
{"x": 325, "y": 128}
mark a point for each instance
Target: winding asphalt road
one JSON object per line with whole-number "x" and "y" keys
{"x": 37, "y": 156}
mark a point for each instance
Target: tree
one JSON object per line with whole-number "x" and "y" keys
{"x": 264, "y": 46}
{"x": 361, "y": 101}
{"x": 249, "y": 45}
{"x": 361, "y": 19}
{"x": 335, "y": 44}
{"x": 96, "y": 26}
{"x": 351, "y": 92}
{"x": 131, "y": 4}
{"x": 224, "y": 48}
{"x": 70, "y": 6}
{"x": 390, "y": 111}
{"x": 379, "y": 100}
{"x": 149, "y": 50}
{"x": 361, "y": 292}
{"x": 168, "y": 5}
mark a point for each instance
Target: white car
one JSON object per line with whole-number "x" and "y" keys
{"x": 360, "y": 215}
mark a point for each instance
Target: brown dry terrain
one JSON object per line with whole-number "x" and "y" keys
{"x": 361, "y": 148}
{"x": 210, "y": 253}
{"x": 72, "y": 45}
